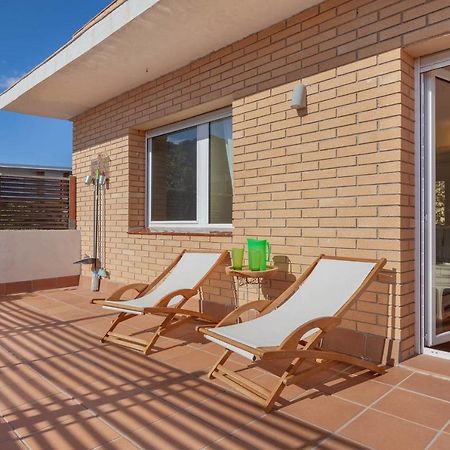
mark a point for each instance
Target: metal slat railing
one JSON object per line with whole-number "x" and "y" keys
{"x": 36, "y": 203}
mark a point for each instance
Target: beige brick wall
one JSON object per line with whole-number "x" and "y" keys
{"x": 337, "y": 180}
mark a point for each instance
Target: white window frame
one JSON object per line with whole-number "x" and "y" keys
{"x": 201, "y": 224}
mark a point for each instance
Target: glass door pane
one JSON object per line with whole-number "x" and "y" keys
{"x": 436, "y": 165}
{"x": 442, "y": 204}
{"x": 220, "y": 171}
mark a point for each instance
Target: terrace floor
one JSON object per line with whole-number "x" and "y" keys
{"x": 60, "y": 388}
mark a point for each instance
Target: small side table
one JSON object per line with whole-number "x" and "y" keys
{"x": 245, "y": 276}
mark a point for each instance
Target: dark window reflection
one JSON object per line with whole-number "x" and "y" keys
{"x": 174, "y": 176}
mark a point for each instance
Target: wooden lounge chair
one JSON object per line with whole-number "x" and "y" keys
{"x": 292, "y": 326}
{"x": 165, "y": 296}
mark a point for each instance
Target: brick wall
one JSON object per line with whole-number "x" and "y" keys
{"x": 338, "y": 179}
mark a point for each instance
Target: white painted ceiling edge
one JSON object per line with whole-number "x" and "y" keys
{"x": 136, "y": 43}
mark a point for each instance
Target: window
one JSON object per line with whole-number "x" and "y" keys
{"x": 190, "y": 175}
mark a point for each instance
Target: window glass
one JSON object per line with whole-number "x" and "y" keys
{"x": 220, "y": 171}
{"x": 174, "y": 176}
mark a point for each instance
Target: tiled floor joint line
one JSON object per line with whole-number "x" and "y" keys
{"x": 422, "y": 394}
{"x": 366, "y": 408}
{"x": 282, "y": 413}
{"x": 425, "y": 372}
{"x": 323, "y": 435}
{"x": 121, "y": 433}
{"x": 439, "y": 433}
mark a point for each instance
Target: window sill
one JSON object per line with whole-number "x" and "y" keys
{"x": 181, "y": 231}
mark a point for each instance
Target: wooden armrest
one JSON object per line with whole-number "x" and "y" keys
{"x": 257, "y": 305}
{"x": 176, "y": 311}
{"x": 323, "y": 323}
{"x": 116, "y": 296}
{"x": 185, "y": 293}
{"x": 98, "y": 301}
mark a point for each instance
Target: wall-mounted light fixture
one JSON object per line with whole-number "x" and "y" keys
{"x": 299, "y": 97}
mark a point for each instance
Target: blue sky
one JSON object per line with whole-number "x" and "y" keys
{"x": 29, "y": 32}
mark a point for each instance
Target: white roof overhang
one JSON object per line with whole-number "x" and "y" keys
{"x": 137, "y": 42}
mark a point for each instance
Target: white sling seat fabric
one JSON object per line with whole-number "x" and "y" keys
{"x": 187, "y": 273}
{"x": 323, "y": 293}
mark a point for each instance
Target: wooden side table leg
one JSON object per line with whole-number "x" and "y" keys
{"x": 236, "y": 291}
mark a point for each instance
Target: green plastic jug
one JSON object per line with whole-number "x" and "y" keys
{"x": 261, "y": 246}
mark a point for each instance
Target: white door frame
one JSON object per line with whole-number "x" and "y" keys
{"x": 425, "y": 204}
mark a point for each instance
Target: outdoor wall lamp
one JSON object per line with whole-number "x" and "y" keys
{"x": 299, "y": 97}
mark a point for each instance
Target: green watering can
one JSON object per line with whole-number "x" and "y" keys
{"x": 258, "y": 254}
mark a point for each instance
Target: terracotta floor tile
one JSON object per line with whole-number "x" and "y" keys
{"x": 90, "y": 365}
{"x": 8, "y": 359}
{"x": 334, "y": 442}
{"x": 129, "y": 419}
{"x": 94, "y": 310}
{"x": 11, "y": 322}
{"x": 226, "y": 412}
{"x": 187, "y": 332}
{"x": 50, "y": 411}
{"x": 145, "y": 322}
{"x": 166, "y": 349}
{"x": 118, "y": 444}
{"x": 393, "y": 376}
{"x": 164, "y": 400}
{"x": 86, "y": 434}
{"x": 415, "y": 407}
{"x": 45, "y": 343}
{"x": 441, "y": 443}
{"x": 64, "y": 370}
{"x": 248, "y": 372}
{"x": 273, "y": 431}
{"x": 96, "y": 326}
{"x": 364, "y": 393}
{"x": 184, "y": 392}
{"x": 62, "y": 295}
{"x": 381, "y": 431}
{"x": 120, "y": 363}
{"x": 6, "y": 432}
{"x": 429, "y": 364}
{"x": 328, "y": 379}
{"x": 205, "y": 345}
{"x": 193, "y": 361}
{"x": 21, "y": 385}
{"x": 179, "y": 431}
{"x": 324, "y": 411}
{"x": 13, "y": 444}
{"x": 71, "y": 314}
{"x": 100, "y": 388}
{"x": 104, "y": 396}
{"x": 425, "y": 384}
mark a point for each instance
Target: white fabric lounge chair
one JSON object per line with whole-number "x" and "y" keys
{"x": 292, "y": 326}
{"x": 165, "y": 296}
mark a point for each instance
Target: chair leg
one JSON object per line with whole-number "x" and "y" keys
{"x": 220, "y": 361}
{"x": 120, "y": 318}
{"x": 158, "y": 333}
{"x": 281, "y": 384}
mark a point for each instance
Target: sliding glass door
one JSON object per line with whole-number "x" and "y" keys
{"x": 436, "y": 204}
